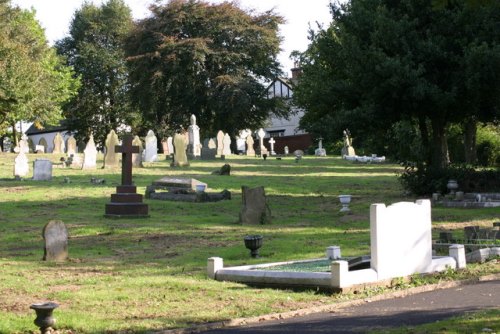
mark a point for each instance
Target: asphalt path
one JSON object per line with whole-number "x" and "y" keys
{"x": 416, "y": 309}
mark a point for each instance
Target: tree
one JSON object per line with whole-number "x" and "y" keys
{"x": 95, "y": 49}
{"x": 384, "y": 62}
{"x": 34, "y": 83}
{"x": 210, "y": 60}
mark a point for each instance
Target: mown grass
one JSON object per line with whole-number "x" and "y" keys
{"x": 137, "y": 275}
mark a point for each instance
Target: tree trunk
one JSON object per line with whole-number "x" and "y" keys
{"x": 14, "y": 137}
{"x": 439, "y": 146}
{"x": 424, "y": 135}
{"x": 470, "y": 128}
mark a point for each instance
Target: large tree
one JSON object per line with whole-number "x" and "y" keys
{"x": 210, "y": 60}
{"x": 383, "y": 62}
{"x": 94, "y": 48}
{"x": 34, "y": 82}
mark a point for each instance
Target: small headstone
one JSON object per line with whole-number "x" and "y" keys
{"x": 194, "y": 147}
{"x": 111, "y": 158}
{"x": 208, "y": 153}
{"x": 137, "y": 157}
{"x": 42, "y": 170}
{"x": 151, "y": 151}
{"x": 21, "y": 166}
{"x": 90, "y": 154}
{"x": 298, "y": 153}
{"x": 255, "y": 209}
{"x": 220, "y": 144}
{"x": 226, "y": 145}
{"x": 58, "y": 144}
{"x": 286, "y": 150}
{"x": 39, "y": 149}
{"x": 250, "y": 149}
{"x": 180, "y": 156}
{"x": 71, "y": 146}
{"x": 55, "y": 236}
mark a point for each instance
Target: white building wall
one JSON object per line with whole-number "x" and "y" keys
{"x": 49, "y": 137}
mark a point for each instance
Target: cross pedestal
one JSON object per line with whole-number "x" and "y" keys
{"x": 126, "y": 203}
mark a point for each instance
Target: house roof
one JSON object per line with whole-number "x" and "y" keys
{"x": 33, "y": 130}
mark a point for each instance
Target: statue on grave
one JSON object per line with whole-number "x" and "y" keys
{"x": 347, "y": 150}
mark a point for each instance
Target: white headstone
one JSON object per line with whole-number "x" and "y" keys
{"x": 170, "y": 145}
{"x": 23, "y": 144}
{"x": 151, "y": 151}
{"x": 90, "y": 154}
{"x": 21, "y": 166}
{"x": 42, "y": 170}
{"x": 261, "y": 134}
{"x": 194, "y": 138}
{"x": 226, "y": 145}
{"x": 39, "y": 149}
{"x": 286, "y": 150}
{"x": 240, "y": 144}
{"x": 271, "y": 143}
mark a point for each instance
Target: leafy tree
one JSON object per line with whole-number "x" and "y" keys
{"x": 210, "y": 60}
{"x": 94, "y": 48}
{"x": 384, "y": 62}
{"x": 34, "y": 83}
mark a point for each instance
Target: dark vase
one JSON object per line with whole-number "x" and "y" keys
{"x": 253, "y": 243}
{"x": 44, "y": 318}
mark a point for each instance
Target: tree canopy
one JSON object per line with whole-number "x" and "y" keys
{"x": 34, "y": 82}
{"x": 94, "y": 48}
{"x": 383, "y": 62}
{"x": 210, "y": 60}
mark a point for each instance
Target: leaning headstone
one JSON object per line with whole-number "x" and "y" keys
{"x": 151, "y": 151}
{"x": 194, "y": 148}
{"x": 250, "y": 149}
{"x": 42, "y": 170}
{"x": 137, "y": 157}
{"x": 21, "y": 166}
{"x": 55, "y": 236}
{"x": 111, "y": 158}
{"x": 58, "y": 144}
{"x": 226, "y": 145}
{"x": 180, "y": 156}
{"x": 90, "y": 154}
{"x": 71, "y": 146}
{"x": 220, "y": 144}
{"x": 255, "y": 209}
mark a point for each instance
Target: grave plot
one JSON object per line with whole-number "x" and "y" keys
{"x": 183, "y": 189}
{"x": 401, "y": 245}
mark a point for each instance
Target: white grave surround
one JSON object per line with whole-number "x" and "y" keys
{"x": 401, "y": 245}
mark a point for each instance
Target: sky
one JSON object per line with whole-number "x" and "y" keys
{"x": 55, "y": 17}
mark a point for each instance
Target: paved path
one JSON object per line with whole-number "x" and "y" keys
{"x": 424, "y": 307}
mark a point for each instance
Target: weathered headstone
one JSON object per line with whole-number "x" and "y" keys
{"x": 180, "y": 157}
{"x": 58, "y": 144}
{"x": 71, "y": 146}
{"x": 250, "y": 149}
{"x": 208, "y": 153}
{"x": 226, "y": 145}
{"x": 111, "y": 158}
{"x": 21, "y": 166}
{"x": 137, "y": 157}
{"x": 126, "y": 203}
{"x": 55, "y": 235}
{"x": 194, "y": 147}
{"x": 90, "y": 154}
{"x": 220, "y": 143}
{"x": 261, "y": 134}
{"x": 255, "y": 209}
{"x": 151, "y": 151}
{"x": 42, "y": 170}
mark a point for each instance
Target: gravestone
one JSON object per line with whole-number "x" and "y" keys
{"x": 126, "y": 203}
{"x": 224, "y": 170}
{"x": 208, "y": 153}
{"x": 241, "y": 140}
{"x": 42, "y": 170}
{"x": 137, "y": 157}
{"x": 261, "y": 134}
{"x": 170, "y": 145}
{"x": 212, "y": 144}
{"x": 194, "y": 147}
{"x": 111, "y": 158}
{"x": 347, "y": 150}
{"x": 39, "y": 149}
{"x": 58, "y": 144}
{"x": 24, "y": 145}
{"x": 71, "y": 146}
{"x": 164, "y": 147}
{"x": 151, "y": 151}
{"x": 286, "y": 151}
{"x": 90, "y": 154}
{"x": 21, "y": 166}
{"x": 255, "y": 209}
{"x": 320, "y": 151}
{"x": 250, "y": 149}
{"x": 55, "y": 236}
{"x": 226, "y": 145}
{"x": 42, "y": 142}
{"x": 271, "y": 143}
{"x": 180, "y": 156}
{"x": 220, "y": 143}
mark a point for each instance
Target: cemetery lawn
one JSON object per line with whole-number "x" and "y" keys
{"x": 139, "y": 275}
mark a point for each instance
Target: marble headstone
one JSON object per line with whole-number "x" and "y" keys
{"x": 170, "y": 145}
{"x": 90, "y": 154}
{"x": 137, "y": 157}
{"x": 194, "y": 138}
{"x": 151, "y": 151}
{"x": 42, "y": 170}
{"x": 226, "y": 145}
{"x": 55, "y": 235}
{"x": 111, "y": 158}
{"x": 21, "y": 166}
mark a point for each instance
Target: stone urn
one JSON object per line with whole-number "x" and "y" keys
{"x": 253, "y": 243}
{"x": 452, "y": 186}
{"x": 345, "y": 200}
{"x": 44, "y": 318}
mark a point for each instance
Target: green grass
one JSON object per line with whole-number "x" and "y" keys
{"x": 137, "y": 275}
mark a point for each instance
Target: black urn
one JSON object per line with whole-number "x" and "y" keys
{"x": 44, "y": 318}
{"x": 253, "y": 243}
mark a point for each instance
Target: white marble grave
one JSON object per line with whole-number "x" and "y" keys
{"x": 21, "y": 166}
{"x": 226, "y": 145}
{"x": 90, "y": 154}
{"x": 151, "y": 151}
{"x": 194, "y": 147}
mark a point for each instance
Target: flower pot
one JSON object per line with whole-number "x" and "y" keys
{"x": 345, "y": 200}
{"x": 44, "y": 318}
{"x": 253, "y": 243}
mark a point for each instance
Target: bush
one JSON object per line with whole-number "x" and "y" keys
{"x": 425, "y": 181}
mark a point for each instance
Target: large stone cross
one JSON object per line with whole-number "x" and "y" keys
{"x": 127, "y": 150}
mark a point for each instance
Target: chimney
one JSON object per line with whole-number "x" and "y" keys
{"x": 296, "y": 72}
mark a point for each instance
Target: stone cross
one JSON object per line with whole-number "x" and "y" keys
{"x": 271, "y": 142}
{"x": 127, "y": 150}
{"x": 320, "y": 142}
